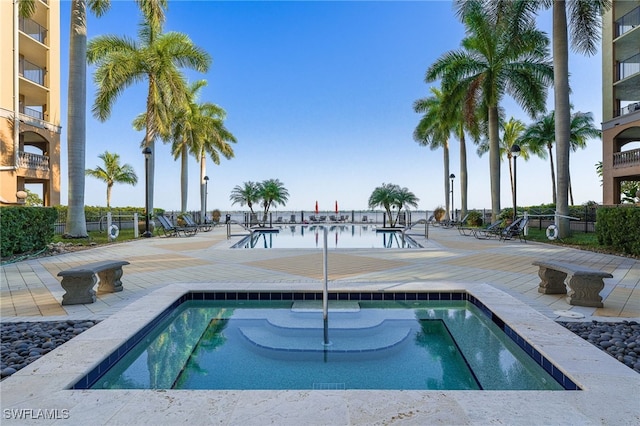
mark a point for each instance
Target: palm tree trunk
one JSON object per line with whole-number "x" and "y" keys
{"x": 109, "y": 195}
{"x": 447, "y": 188}
{"x": 76, "y": 224}
{"x": 562, "y": 111}
{"x": 203, "y": 188}
{"x": 570, "y": 190}
{"x": 184, "y": 178}
{"x": 513, "y": 186}
{"x": 463, "y": 175}
{"x": 150, "y": 142}
{"x": 494, "y": 162}
{"x": 553, "y": 172}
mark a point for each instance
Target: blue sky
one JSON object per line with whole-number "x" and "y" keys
{"x": 318, "y": 95}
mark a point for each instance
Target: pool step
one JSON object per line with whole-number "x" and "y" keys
{"x": 385, "y": 335}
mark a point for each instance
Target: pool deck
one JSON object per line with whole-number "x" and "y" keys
{"x": 31, "y": 291}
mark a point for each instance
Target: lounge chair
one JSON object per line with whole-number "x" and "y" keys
{"x": 205, "y": 227}
{"x": 333, "y": 218}
{"x": 516, "y": 229}
{"x": 293, "y": 219}
{"x": 455, "y": 223}
{"x": 171, "y": 230}
{"x": 491, "y": 231}
{"x": 312, "y": 218}
{"x": 365, "y": 219}
{"x": 279, "y": 219}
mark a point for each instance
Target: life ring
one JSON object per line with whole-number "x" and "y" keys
{"x": 114, "y": 232}
{"x": 552, "y": 232}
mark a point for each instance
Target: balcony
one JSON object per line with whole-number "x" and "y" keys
{"x": 33, "y": 113}
{"x": 626, "y": 158}
{"x": 28, "y": 160}
{"x": 32, "y": 72}
{"x": 629, "y": 67}
{"x": 628, "y": 22}
{"x": 33, "y": 29}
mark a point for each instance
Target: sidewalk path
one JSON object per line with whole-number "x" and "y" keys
{"x": 30, "y": 289}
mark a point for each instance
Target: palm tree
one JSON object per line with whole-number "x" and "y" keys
{"x": 512, "y": 132}
{"x": 541, "y": 135}
{"x": 272, "y": 193}
{"x": 585, "y": 19}
{"x": 433, "y": 130}
{"x": 113, "y": 172}
{"x": 156, "y": 58}
{"x": 384, "y": 196}
{"x": 503, "y": 53}
{"x": 248, "y": 193}
{"x": 404, "y": 197}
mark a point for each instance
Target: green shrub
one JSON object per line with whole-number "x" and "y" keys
{"x": 26, "y": 229}
{"x": 474, "y": 218}
{"x": 618, "y": 227}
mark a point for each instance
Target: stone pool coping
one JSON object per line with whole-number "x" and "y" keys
{"x": 609, "y": 394}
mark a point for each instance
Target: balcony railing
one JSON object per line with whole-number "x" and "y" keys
{"x": 628, "y": 22}
{"x": 629, "y": 67}
{"x": 29, "y": 160}
{"x": 33, "y": 29}
{"x": 626, "y": 158}
{"x": 629, "y": 109}
{"x": 33, "y": 113}
{"x": 32, "y": 72}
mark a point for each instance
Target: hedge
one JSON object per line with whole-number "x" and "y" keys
{"x": 619, "y": 227}
{"x": 26, "y": 229}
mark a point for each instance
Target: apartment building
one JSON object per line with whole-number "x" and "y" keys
{"x": 621, "y": 98}
{"x": 30, "y": 102}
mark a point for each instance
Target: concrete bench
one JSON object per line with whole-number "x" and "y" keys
{"x": 79, "y": 282}
{"x": 584, "y": 284}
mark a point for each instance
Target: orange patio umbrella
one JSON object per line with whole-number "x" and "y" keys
{"x": 317, "y": 207}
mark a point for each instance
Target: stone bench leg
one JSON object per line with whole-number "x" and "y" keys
{"x": 79, "y": 289}
{"x": 584, "y": 291}
{"x": 110, "y": 280}
{"x": 552, "y": 281}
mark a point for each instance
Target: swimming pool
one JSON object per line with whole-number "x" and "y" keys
{"x": 422, "y": 341}
{"x": 339, "y": 236}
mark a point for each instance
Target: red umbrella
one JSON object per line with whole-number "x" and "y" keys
{"x": 336, "y": 206}
{"x": 317, "y": 207}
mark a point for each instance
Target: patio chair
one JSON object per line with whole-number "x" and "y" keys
{"x": 516, "y": 229}
{"x": 171, "y": 230}
{"x": 365, "y": 219}
{"x": 491, "y": 231}
{"x": 293, "y": 219}
{"x": 205, "y": 227}
{"x": 279, "y": 220}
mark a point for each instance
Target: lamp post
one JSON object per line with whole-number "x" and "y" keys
{"x": 452, "y": 177}
{"x": 206, "y": 194}
{"x": 147, "y": 154}
{"x": 515, "y": 151}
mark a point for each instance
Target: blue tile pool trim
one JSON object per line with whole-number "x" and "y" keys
{"x": 92, "y": 377}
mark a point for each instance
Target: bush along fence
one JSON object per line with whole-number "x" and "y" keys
{"x": 619, "y": 227}
{"x": 25, "y": 229}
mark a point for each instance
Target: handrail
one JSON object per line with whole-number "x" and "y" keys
{"x": 421, "y": 221}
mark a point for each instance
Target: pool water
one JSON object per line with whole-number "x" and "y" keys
{"x": 425, "y": 345}
{"x": 339, "y": 236}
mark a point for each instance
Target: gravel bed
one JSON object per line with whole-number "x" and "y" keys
{"x": 25, "y": 342}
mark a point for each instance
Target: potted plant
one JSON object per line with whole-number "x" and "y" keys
{"x": 438, "y": 213}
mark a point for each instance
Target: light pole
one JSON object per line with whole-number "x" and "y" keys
{"x": 206, "y": 194}
{"x": 515, "y": 151}
{"x": 147, "y": 154}
{"x": 452, "y": 177}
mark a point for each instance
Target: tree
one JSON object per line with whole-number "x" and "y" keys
{"x": 197, "y": 129}
{"x": 272, "y": 193}
{"x": 389, "y": 196}
{"x": 248, "y": 193}
{"x": 541, "y": 135}
{"x": 503, "y": 53}
{"x": 511, "y": 135}
{"x": 585, "y": 18}
{"x": 433, "y": 130}
{"x": 156, "y": 58}
{"x": 113, "y": 172}
{"x": 33, "y": 199}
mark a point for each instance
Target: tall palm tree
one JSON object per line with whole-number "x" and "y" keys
{"x": 113, "y": 172}
{"x": 157, "y": 58}
{"x": 503, "y": 53}
{"x": 215, "y": 143}
{"x": 433, "y": 130}
{"x": 585, "y": 19}
{"x": 248, "y": 193}
{"x": 541, "y": 134}
{"x": 272, "y": 193}
{"x": 512, "y": 131}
